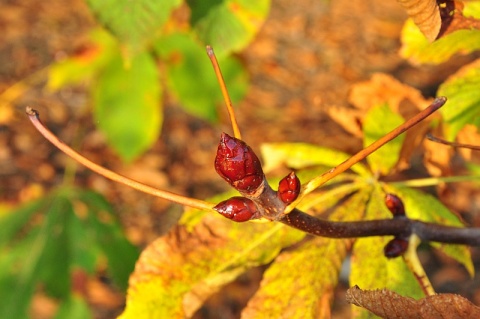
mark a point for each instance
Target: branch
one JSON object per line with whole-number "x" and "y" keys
{"x": 382, "y": 227}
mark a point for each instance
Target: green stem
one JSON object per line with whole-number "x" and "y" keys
{"x": 431, "y": 181}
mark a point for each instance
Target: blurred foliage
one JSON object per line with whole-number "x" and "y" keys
{"x": 49, "y": 242}
{"x": 121, "y": 67}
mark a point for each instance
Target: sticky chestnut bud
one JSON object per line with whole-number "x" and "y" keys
{"x": 395, "y": 248}
{"x": 238, "y": 165}
{"x": 239, "y": 209}
{"x": 395, "y": 205}
{"x": 289, "y": 188}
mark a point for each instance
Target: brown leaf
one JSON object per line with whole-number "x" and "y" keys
{"x": 388, "y": 304}
{"x": 453, "y": 18}
{"x": 425, "y": 14}
{"x": 401, "y": 98}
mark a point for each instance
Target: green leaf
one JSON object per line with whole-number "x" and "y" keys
{"x": 134, "y": 23}
{"x": 177, "y": 272}
{"x": 379, "y": 121}
{"x": 15, "y": 305}
{"x": 84, "y": 66}
{"x": 15, "y": 220}
{"x": 83, "y": 249}
{"x": 463, "y": 105}
{"x": 16, "y": 290}
{"x": 318, "y": 202}
{"x": 127, "y": 105}
{"x": 417, "y": 49}
{"x": 370, "y": 269}
{"x": 427, "y": 208}
{"x": 307, "y": 275}
{"x": 228, "y": 25}
{"x": 55, "y": 260}
{"x": 298, "y": 280}
{"x": 109, "y": 238}
{"x": 74, "y": 307}
{"x": 302, "y": 155}
{"x": 191, "y": 78}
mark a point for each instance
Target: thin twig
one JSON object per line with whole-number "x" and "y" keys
{"x": 226, "y": 96}
{"x": 322, "y": 179}
{"x": 453, "y": 144}
{"x": 186, "y": 201}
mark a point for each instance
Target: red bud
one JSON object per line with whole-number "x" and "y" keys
{"x": 239, "y": 209}
{"x": 395, "y": 205}
{"x": 238, "y": 165}
{"x": 395, "y": 248}
{"x": 289, "y": 188}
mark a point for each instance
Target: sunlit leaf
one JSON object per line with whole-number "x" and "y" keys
{"x": 463, "y": 105}
{"x": 306, "y": 276}
{"x": 127, "y": 105}
{"x": 177, "y": 272}
{"x": 191, "y": 78}
{"x": 378, "y": 122}
{"x": 427, "y": 208}
{"x": 318, "y": 202}
{"x": 228, "y": 25}
{"x": 370, "y": 269}
{"x": 417, "y": 49}
{"x": 134, "y": 23}
{"x": 425, "y": 14}
{"x": 301, "y": 155}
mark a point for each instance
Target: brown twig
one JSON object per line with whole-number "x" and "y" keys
{"x": 187, "y": 201}
{"x": 322, "y": 179}
{"x": 382, "y": 227}
{"x": 226, "y": 96}
{"x": 453, "y": 144}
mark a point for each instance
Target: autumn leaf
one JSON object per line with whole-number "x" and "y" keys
{"x": 370, "y": 268}
{"x": 465, "y": 39}
{"x": 301, "y": 155}
{"x": 307, "y": 275}
{"x": 426, "y": 16}
{"x": 178, "y": 272}
{"x": 388, "y": 304}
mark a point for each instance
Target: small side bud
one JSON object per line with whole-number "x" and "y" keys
{"x": 395, "y": 205}
{"x": 239, "y": 209}
{"x": 395, "y": 248}
{"x": 238, "y": 165}
{"x": 289, "y": 188}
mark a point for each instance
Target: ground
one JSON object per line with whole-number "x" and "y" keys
{"x": 304, "y": 61}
